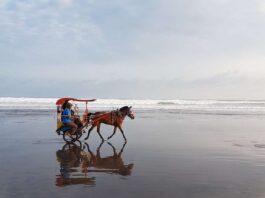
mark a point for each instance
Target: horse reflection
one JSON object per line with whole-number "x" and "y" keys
{"x": 110, "y": 164}
{"x": 70, "y": 158}
{"x": 76, "y": 161}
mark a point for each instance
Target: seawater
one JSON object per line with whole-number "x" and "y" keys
{"x": 176, "y": 106}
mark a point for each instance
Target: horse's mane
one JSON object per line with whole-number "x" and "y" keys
{"x": 125, "y": 108}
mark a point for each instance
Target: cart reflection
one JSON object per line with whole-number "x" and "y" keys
{"x": 80, "y": 165}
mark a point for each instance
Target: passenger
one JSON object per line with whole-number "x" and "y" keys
{"x": 76, "y": 110}
{"x": 64, "y": 104}
{"x": 67, "y": 118}
{"x": 77, "y": 121}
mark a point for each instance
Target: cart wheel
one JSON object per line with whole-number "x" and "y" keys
{"x": 69, "y": 138}
{"x": 72, "y": 138}
{"x": 79, "y": 134}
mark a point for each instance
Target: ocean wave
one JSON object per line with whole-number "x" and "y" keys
{"x": 243, "y": 106}
{"x": 166, "y": 103}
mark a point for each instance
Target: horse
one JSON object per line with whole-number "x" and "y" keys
{"x": 114, "y": 118}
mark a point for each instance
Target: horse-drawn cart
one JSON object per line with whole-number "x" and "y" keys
{"x": 114, "y": 118}
{"x": 84, "y": 119}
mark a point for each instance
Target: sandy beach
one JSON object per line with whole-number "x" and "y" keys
{"x": 167, "y": 154}
{"x": 192, "y": 72}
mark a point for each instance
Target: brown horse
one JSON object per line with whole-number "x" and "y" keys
{"x": 114, "y": 118}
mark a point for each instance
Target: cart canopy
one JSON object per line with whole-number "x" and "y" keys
{"x": 62, "y": 100}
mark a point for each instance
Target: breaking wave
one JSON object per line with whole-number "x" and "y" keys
{"x": 180, "y": 106}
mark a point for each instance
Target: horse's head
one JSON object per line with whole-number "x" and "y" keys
{"x": 127, "y": 111}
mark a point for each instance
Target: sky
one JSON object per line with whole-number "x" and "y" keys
{"x": 160, "y": 49}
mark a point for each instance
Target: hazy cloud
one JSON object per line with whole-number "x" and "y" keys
{"x": 133, "y": 45}
{"x": 228, "y": 85}
{"x": 65, "y": 3}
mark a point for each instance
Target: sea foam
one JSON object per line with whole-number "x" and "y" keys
{"x": 181, "y": 106}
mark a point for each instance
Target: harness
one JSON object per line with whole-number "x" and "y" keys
{"x": 115, "y": 114}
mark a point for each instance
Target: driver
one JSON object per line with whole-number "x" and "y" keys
{"x": 67, "y": 118}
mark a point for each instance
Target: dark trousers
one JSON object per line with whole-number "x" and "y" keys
{"x": 73, "y": 127}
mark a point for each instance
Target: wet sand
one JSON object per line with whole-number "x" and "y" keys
{"x": 167, "y": 154}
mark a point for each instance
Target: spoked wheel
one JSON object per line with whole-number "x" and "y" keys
{"x": 79, "y": 134}
{"x": 72, "y": 138}
{"x": 69, "y": 138}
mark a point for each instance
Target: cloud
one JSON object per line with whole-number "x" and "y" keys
{"x": 155, "y": 42}
{"x": 65, "y": 3}
{"x": 229, "y": 85}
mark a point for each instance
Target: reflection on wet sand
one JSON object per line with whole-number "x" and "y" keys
{"x": 109, "y": 164}
{"x": 77, "y": 161}
{"x": 70, "y": 158}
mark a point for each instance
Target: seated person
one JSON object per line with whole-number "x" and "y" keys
{"x": 64, "y": 106}
{"x": 85, "y": 117}
{"x": 76, "y": 118}
{"x": 67, "y": 118}
{"x": 77, "y": 121}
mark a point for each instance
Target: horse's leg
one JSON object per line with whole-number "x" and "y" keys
{"x": 114, "y": 131}
{"x": 122, "y": 133}
{"x": 88, "y": 133}
{"x": 98, "y": 130}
